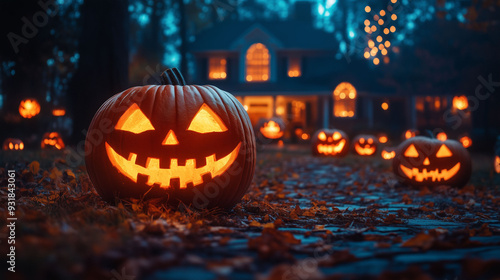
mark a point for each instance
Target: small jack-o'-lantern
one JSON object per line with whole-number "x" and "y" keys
{"x": 272, "y": 128}
{"x": 330, "y": 142}
{"x": 442, "y": 136}
{"x": 410, "y": 133}
{"x": 58, "y": 112}
{"x": 365, "y": 145}
{"x": 52, "y": 140}
{"x": 29, "y": 108}
{"x": 422, "y": 161}
{"x": 388, "y": 153}
{"x": 383, "y": 138}
{"x": 496, "y": 160}
{"x": 13, "y": 144}
{"x": 183, "y": 143}
{"x": 466, "y": 141}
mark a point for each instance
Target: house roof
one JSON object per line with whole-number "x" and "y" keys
{"x": 290, "y": 33}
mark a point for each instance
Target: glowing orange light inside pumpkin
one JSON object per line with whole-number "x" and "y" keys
{"x": 460, "y": 102}
{"x": 322, "y": 136}
{"x": 434, "y": 175}
{"x": 186, "y": 174}
{"x": 13, "y": 144}
{"x": 305, "y": 136}
{"x": 271, "y": 130}
{"x": 58, "y": 112}
{"x": 29, "y": 108}
{"x": 52, "y": 140}
{"x": 466, "y": 141}
{"x": 443, "y": 152}
{"x": 497, "y": 164}
{"x": 411, "y": 152}
{"x": 385, "y": 106}
{"x": 410, "y": 133}
{"x": 441, "y": 136}
{"x": 383, "y": 139}
{"x": 388, "y": 155}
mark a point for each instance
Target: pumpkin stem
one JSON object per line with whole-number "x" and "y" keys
{"x": 172, "y": 76}
{"x": 431, "y": 134}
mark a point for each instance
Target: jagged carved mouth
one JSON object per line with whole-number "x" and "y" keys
{"x": 434, "y": 175}
{"x": 366, "y": 151}
{"x": 162, "y": 176}
{"x": 331, "y": 149}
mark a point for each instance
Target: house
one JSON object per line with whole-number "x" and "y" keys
{"x": 290, "y": 69}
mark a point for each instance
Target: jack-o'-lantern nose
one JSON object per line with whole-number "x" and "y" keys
{"x": 426, "y": 161}
{"x": 330, "y": 139}
{"x": 171, "y": 139}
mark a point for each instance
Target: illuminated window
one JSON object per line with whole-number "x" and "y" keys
{"x": 257, "y": 63}
{"x": 294, "y": 67}
{"x": 344, "y": 100}
{"x": 217, "y": 68}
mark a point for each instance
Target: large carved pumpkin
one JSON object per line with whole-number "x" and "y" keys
{"x": 330, "y": 142}
{"x": 272, "y": 128}
{"x": 423, "y": 161}
{"x": 184, "y": 143}
{"x": 365, "y": 144}
{"x": 13, "y": 144}
{"x": 52, "y": 140}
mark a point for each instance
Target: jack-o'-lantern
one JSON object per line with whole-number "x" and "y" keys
{"x": 365, "y": 145}
{"x": 410, "y": 133}
{"x": 13, "y": 144}
{"x": 58, "y": 112}
{"x": 466, "y": 141}
{"x": 330, "y": 142}
{"x": 29, "y": 108}
{"x": 52, "y": 140}
{"x": 182, "y": 143}
{"x": 423, "y": 161}
{"x": 383, "y": 138}
{"x": 441, "y": 136}
{"x": 388, "y": 153}
{"x": 496, "y": 160}
{"x": 272, "y": 128}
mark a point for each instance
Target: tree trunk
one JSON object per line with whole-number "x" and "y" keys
{"x": 103, "y": 66}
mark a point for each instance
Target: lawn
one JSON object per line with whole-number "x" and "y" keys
{"x": 303, "y": 218}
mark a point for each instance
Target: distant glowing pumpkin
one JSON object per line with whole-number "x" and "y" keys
{"x": 13, "y": 144}
{"x": 29, "y": 108}
{"x": 182, "y": 143}
{"x": 383, "y": 138}
{"x": 365, "y": 145}
{"x": 410, "y": 133}
{"x": 330, "y": 142}
{"x": 441, "y": 136}
{"x": 52, "y": 140}
{"x": 423, "y": 161}
{"x": 58, "y": 112}
{"x": 466, "y": 141}
{"x": 273, "y": 128}
{"x": 388, "y": 153}
{"x": 496, "y": 161}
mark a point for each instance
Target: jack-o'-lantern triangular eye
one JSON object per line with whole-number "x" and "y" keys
{"x": 134, "y": 120}
{"x": 206, "y": 121}
{"x": 411, "y": 152}
{"x": 443, "y": 152}
{"x": 322, "y": 136}
{"x": 336, "y": 135}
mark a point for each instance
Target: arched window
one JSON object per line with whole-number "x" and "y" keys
{"x": 257, "y": 63}
{"x": 344, "y": 100}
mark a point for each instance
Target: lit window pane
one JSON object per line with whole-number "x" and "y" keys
{"x": 257, "y": 63}
{"x": 217, "y": 68}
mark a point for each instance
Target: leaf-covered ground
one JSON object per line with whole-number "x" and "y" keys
{"x": 304, "y": 218}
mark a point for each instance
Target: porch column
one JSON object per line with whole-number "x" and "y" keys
{"x": 369, "y": 112}
{"x": 326, "y": 111}
{"x": 412, "y": 112}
